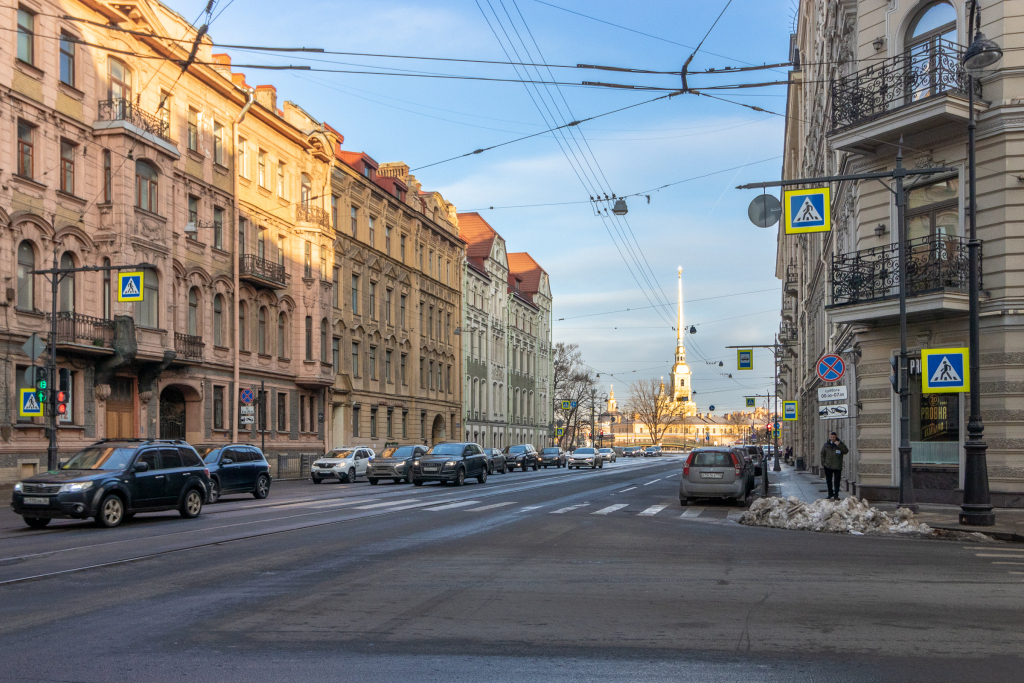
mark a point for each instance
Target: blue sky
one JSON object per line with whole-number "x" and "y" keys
{"x": 701, "y": 225}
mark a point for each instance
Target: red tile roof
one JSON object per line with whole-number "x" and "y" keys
{"x": 521, "y": 264}
{"x": 479, "y": 237}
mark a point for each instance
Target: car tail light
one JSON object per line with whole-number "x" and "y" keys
{"x": 735, "y": 464}
{"x": 686, "y": 465}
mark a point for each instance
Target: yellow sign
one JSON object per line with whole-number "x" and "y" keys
{"x": 807, "y": 210}
{"x": 789, "y": 410}
{"x": 744, "y": 359}
{"x": 30, "y": 405}
{"x": 129, "y": 286}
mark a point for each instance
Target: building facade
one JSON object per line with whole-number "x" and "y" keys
{"x": 844, "y": 115}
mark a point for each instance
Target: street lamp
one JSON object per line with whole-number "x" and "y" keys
{"x": 620, "y": 208}
{"x": 976, "y": 509}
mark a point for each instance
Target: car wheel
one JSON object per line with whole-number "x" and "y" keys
{"x": 214, "y": 491}
{"x": 36, "y": 522}
{"x": 262, "y": 487}
{"x": 594, "y": 466}
{"x": 682, "y": 502}
{"x": 192, "y": 505}
{"x": 417, "y": 482}
{"x": 525, "y": 467}
{"x": 483, "y": 477}
{"x": 316, "y": 479}
{"x": 490, "y": 468}
{"x": 601, "y": 466}
{"x": 408, "y": 478}
{"x": 111, "y": 511}
{"x": 350, "y": 476}
{"x": 536, "y": 467}
{"x": 372, "y": 480}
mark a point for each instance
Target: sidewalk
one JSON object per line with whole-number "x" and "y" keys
{"x": 808, "y": 488}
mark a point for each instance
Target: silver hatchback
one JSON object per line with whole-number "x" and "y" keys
{"x": 715, "y": 473}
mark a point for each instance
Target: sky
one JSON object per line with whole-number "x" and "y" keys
{"x": 701, "y": 224}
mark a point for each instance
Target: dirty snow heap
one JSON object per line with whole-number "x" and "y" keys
{"x": 851, "y": 515}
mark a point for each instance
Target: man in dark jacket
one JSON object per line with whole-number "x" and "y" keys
{"x": 832, "y": 462}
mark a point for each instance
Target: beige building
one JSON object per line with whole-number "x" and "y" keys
{"x": 873, "y": 73}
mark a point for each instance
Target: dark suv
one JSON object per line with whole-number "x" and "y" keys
{"x": 524, "y": 456}
{"x": 237, "y": 468}
{"x": 113, "y": 479}
{"x": 454, "y": 462}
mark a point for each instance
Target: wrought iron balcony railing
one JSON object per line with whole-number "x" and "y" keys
{"x": 919, "y": 73}
{"x": 250, "y": 265}
{"x": 75, "y": 328}
{"x": 313, "y": 214}
{"x": 934, "y": 263}
{"x": 125, "y": 110}
{"x": 188, "y": 346}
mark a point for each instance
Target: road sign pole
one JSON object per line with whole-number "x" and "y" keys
{"x": 775, "y": 430}
{"x": 906, "y": 484}
{"x": 51, "y": 448}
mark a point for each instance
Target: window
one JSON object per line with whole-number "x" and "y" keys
{"x": 367, "y": 170}
{"x": 355, "y": 420}
{"x": 355, "y": 220}
{"x": 931, "y": 43}
{"x": 423, "y": 374}
{"x": 372, "y": 363}
{"x": 26, "y": 36}
{"x": 423, "y": 425}
{"x": 373, "y": 301}
{"x": 146, "y": 187}
{"x": 243, "y": 313}
{"x": 302, "y": 413}
{"x": 324, "y": 328}
{"x": 323, "y": 263}
{"x": 107, "y": 290}
{"x": 401, "y": 370}
{"x": 336, "y": 354}
{"x": 67, "y": 167}
{"x": 67, "y": 59}
{"x": 405, "y": 425}
{"x": 282, "y": 411}
{"x": 66, "y": 288}
{"x": 372, "y": 231}
{"x": 336, "y": 286}
{"x": 120, "y": 86}
{"x": 193, "y": 312}
{"x": 280, "y": 179}
{"x": 447, "y": 272}
{"x": 243, "y": 157}
{"x": 448, "y": 326}
{"x": 334, "y": 211}
{"x": 447, "y": 378}
{"x": 26, "y": 147}
{"x": 355, "y": 359}
{"x": 309, "y": 338}
{"x": 387, "y": 241}
{"x": 261, "y": 330}
{"x": 218, "y": 407}
{"x": 241, "y": 236}
{"x": 430, "y": 262}
{"x": 401, "y": 312}
{"x": 305, "y": 191}
{"x": 261, "y": 168}
{"x": 164, "y": 111}
{"x": 218, "y": 320}
{"x": 147, "y": 311}
{"x": 307, "y": 259}
{"x": 193, "y": 130}
{"x": 280, "y": 250}
{"x": 401, "y": 248}
{"x": 430, "y": 323}
{"x": 282, "y": 335}
{"x": 192, "y": 227}
{"x": 218, "y": 227}
{"x": 261, "y": 242}
{"x": 430, "y": 376}
{"x": 373, "y": 423}
{"x": 387, "y": 366}
{"x": 108, "y": 188}
{"x": 355, "y": 294}
{"x": 933, "y": 210}
{"x": 387, "y": 306}
{"x": 218, "y": 143}
{"x": 390, "y": 425}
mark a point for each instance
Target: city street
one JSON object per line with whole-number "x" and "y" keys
{"x": 553, "y": 575}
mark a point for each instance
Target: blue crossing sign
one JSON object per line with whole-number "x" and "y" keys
{"x": 831, "y": 368}
{"x": 750, "y": 401}
{"x": 29, "y": 404}
{"x": 129, "y": 286}
{"x": 945, "y": 371}
{"x": 807, "y": 210}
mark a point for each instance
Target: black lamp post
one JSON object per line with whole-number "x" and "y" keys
{"x": 977, "y": 506}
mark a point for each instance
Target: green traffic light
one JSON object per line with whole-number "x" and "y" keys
{"x": 41, "y": 384}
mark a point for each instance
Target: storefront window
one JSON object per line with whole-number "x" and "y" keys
{"x": 934, "y": 426}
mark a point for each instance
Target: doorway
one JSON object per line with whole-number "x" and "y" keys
{"x": 172, "y": 414}
{"x": 121, "y": 408}
{"x": 437, "y": 432}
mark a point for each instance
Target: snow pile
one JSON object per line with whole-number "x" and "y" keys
{"x": 850, "y": 515}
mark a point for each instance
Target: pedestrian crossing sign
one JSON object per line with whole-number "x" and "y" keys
{"x": 750, "y": 401}
{"x": 945, "y": 371}
{"x": 559, "y": 431}
{"x": 807, "y": 210}
{"x": 129, "y": 286}
{"x": 29, "y": 405}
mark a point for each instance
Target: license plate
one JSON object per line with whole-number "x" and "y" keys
{"x": 430, "y": 469}
{"x": 37, "y": 501}
{"x": 711, "y": 475}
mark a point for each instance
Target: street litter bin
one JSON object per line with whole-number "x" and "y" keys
{"x": 800, "y": 464}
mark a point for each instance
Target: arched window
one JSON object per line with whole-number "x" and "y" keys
{"x": 107, "y": 291}
{"x": 66, "y": 289}
{"x": 193, "y": 312}
{"x": 261, "y": 330}
{"x": 243, "y": 313}
{"x": 306, "y": 191}
{"x": 931, "y": 48}
{"x": 120, "y": 90}
{"x": 218, "y": 320}
{"x": 147, "y": 311}
{"x": 26, "y": 281}
{"x": 282, "y": 336}
{"x": 146, "y": 187}
{"x": 324, "y": 345}
{"x": 309, "y": 338}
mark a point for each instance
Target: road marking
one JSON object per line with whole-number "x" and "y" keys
{"x": 449, "y": 506}
{"x": 734, "y": 515}
{"x": 998, "y": 550}
{"x": 569, "y": 509}
{"x": 384, "y": 505}
{"x": 629, "y": 489}
{"x": 999, "y": 554}
{"x": 652, "y": 482}
{"x": 531, "y": 507}
{"x": 610, "y": 509}
{"x": 490, "y": 507}
{"x": 1021, "y": 563}
{"x": 653, "y": 510}
{"x": 692, "y": 512}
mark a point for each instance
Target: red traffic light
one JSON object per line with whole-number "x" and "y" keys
{"x": 62, "y": 408}
{"x": 62, "y": 397}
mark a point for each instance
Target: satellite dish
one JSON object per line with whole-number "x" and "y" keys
{"x": 764, "y": 211}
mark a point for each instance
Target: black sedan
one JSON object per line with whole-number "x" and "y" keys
{"x": 496, "y": 461}
{"x": 552, "y": 457}
{"x": 237, "y": 468}
{"x": 454, "y": 462}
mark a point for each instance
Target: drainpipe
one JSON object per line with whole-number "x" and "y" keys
{"x": 236, "y": 264}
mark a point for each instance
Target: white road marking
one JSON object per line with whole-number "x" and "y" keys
{"x": 610, "y": 509}
{"x": 629, "y": 489}
{"x": 384, "y": 505}
{"x": 996, "y": 550}
{"x": 490, "y": 507}
{"x": 531, "y": 507}
{"x": 692, "y": 512}
{"x": 999, "y": 554}
{"x": 569, "y": 509}
{"x": 449, "y": 506}
{"x": 653, "y": 510}
{"x": 652, "y": 482}
{"x": 1021, "y": 563}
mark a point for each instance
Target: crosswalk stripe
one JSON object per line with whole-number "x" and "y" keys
{"x": 384, "y": 505}
{"x": 653, "y": 482}
{"x": 490, "y": 507}
{"x": 653, "y": 510}
{"x": 629, "y": 489}
{"x": 999, "y": 554}
{"x": 692, "y": 512}
{"x": 449, "y": 506}
{"x": 610, "y": 509}
{"x": 531, "y": 507}
{"x": 1022, "y": 563}
{"x": 568, "y": 509}
{"x": 735, "y": 515}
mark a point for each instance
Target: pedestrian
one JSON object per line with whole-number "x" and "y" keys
{"x": 789, "y": 455}
{"x": 832, "y": 461}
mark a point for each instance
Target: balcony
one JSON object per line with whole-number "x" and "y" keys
{"x": 188, "y": 347}
{"x": 917, "y": 83}
{"x": 125, "y": 110}
{"x": 314, "y": 215}
{"x": 316, "y": 375}
{"x": 865, "y": 283}
{"x": 792, "y": 280}
{"x": 260, "y": 271}
{"x": 788, "y": 333}
{"x": 84, "y": 332}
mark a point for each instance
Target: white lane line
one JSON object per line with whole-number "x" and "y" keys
{"x": 653, "y": 482}
{"x": 531, "y": 507}
{"x": 691, "y": 513}
{"x": 653, "y": 510}
{"x": 1000, "y": 554}
{"x": 1020, "y": 563}
{"x": 384, "y": 505}
{"x": 490, "y": 507}
{"x": 629, "y": 489}
{"x": 610, "y": 509}
{"x": 569, "y": 509}
{"x": 734, "y": 515}
{"x": 449, "y": 506}
{"x": 995, "y": 550}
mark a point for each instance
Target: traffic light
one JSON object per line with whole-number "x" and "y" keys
{"x": 894, "y": 375}
{"x": 62, "y": 402}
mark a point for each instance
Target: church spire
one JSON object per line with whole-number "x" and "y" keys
{"x": 679, "y": 321}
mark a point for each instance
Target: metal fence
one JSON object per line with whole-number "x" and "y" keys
{"x": 75, "y": 328}
{"x": 125, "y": 110}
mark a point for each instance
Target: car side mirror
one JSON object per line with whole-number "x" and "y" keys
{"x": 141, "y": 467}
{"x": 61, "y": 464}
{"x": 226, "y": 461}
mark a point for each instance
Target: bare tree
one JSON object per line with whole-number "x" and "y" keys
{"x": 573, "y": 382}
{"x": 652, "y": 408}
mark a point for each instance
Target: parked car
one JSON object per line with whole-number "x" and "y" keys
{"x": 114, "y": 479}
{"x": 523, "y": 456}
{"x": 756, "y": 456}
{"x": 395, "y": 463}
{"x": 236, "y": 468}
{"x": 716, "y": 472}
{"x": 652, "y": 451}
{"x": 343, "y": 464}
{"x": 585, "y": 457}
{"x": 552, "y": 456}
{"x": 454, "y": 462}
{"x": 496, "y": 461}
{"x": 608, "y": 454}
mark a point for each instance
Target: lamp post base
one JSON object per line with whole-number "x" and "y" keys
{"x": 978, "y": 517}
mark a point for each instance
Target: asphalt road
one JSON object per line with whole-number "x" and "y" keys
{"x": 538, "y": 576}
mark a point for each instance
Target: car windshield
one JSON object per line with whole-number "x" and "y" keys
{"x": 339, "y": 455}
{"x": 583, "y": 451}
{"x": 606, "y": 450}
{"x": 517, "y": 449}
{"x": 551, "y": 450}
{"x": 398, "y": 453}
{"x": 446, "y": 449}
{"x": 209, "y": 455}
{"x": 100, "y": 458}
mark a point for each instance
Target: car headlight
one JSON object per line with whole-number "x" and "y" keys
{"x": 17, "y": 487}
{"x": 450, "y": 463}
{"x": 416, "y": 463}
{"x": 75, "y": 487}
